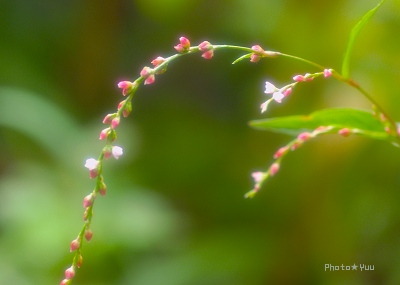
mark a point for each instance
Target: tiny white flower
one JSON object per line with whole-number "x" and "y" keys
{"x": 269, "y": 88}
{"x": 278, "y": 96}
{"x": 257, "y": 176}
{"x": 117, "y": 151}
{"x": 91, "y": 163}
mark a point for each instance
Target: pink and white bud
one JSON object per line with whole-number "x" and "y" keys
{"x": 208, "y": 54}
{"x": 255, "y": 57}
{"x": 121, "y": 104}
{"x": 304, "y": 136}
{"x": 104, "y": 134}
{"x": 298, "y": 78}
{"x": 146, "y": 72}
{"x": 257, "y": 49}
{"x": 74, "y": 245}
{"x": 281, "y": 152}
{"x": 205, "y": 46}
{"x": 117, "y": 151}
{"x": 88, "y": 200}
{"x": 264, "y": 106}
{"x": 157, "y": 61}
{"x": 344, "y": 132}
{"x": 269, "y": 88}
{"x": 308, "y": 77}
{"x": 102, "y": 189}
{"x": 127, "y": 109}
{"x": 183, "y": 46}
{"x": 287, "y": 91}
{"x": 107, "y": 119}
{"x": 65, "y": 282}
{"x": 327, "y": 72}
{"x": 92, "y": 164}
{"x": 274, "y": 168}
{"x": 184, "y": 42}
{"x": 88, "y": 234}
{"x": 257, "y": 176}
{"x": 69, "y": 273}
{"x": 107, "y": 151}
{"x": 296, "y": 145}
{"x": 115, "y": 122}
{"x": 126, "y": 87}
{"x": 150, "y": 79}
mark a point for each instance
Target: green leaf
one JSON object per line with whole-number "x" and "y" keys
{"x": 242, "y": 57}
{"x": 353, "y": 35}
{"x": 358, "y": 121}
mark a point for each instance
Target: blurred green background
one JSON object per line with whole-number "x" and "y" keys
{"x": 174, "y": 213}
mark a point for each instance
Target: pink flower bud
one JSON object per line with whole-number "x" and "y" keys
{"x": 299, "y": 78}
{"x": 257, "y": 48}
{"x": 88, "y": 234}
{"x": 157, "y": 61}
{"x": 127, "y": 109}
{"x": 124, "y": 84}
{"x": 65, "y": 282}
{"x": 287, "y": 91}
{"x": 344, "y": 132}
{"x": 102, "y": 189}
{"x": 107, "y": 119}
{"x": 150, "y": 79}
{"x": 269, "y": 88}
{"x": 92, "y": 164}
{"x": 74, "y": 245}
{"x": 280, "y": 152}
{"x": 308, "y": 77}
{"x": 107, "y": 151}
{"x": 208, "y": 54}
{"x": 126, "y": 87}
{"x": 296, "y": 145}
{"x": 70, "y": 273}
{"x": 304, "y": 136}
{"x": 104, "y": 134}
{"x": 117, "y": 151}
{"x": 254, "y": 57}
{"x": 274, "y": 168}
{"x": 115, "y": 122}
{"x": 146, "y": 72}
{"x": 205, "y": 46}
{"x": 88, "y": 200}
{"x": 184, "y": 42}
{"x": 121, "y": 104}
{"x": 327, "y": 72}
{"x": 183, "y": 46}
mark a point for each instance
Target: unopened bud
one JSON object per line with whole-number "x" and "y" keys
{"x": 74, "y": 245}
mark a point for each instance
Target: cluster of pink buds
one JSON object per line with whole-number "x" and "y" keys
{"x": 259, "y": 177}
{"x": 279, "y": 93}
{"x": 183, "y": 46}
{"x": 207, "y": 49}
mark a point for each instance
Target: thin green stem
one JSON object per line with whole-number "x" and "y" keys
{"x": 303, "y": 60}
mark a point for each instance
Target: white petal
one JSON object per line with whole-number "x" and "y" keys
{"x": 269, "y": 88}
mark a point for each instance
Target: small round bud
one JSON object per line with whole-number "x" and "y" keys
{"x": 88, "y": 234}
{"x": 344, "y": 132}
{"x": 274, "y": 168}
{"x": 327, "y": 72}
{"x": 74, "y": 245}
{"x": 88, "y": 200}
{"x": 69, "y": 273}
